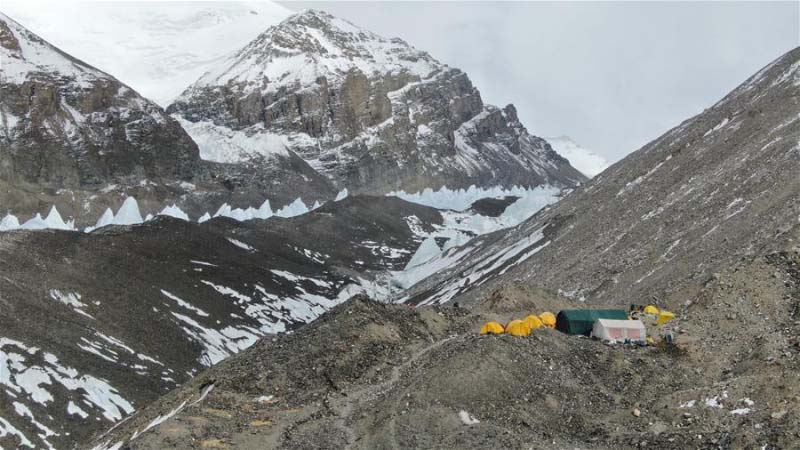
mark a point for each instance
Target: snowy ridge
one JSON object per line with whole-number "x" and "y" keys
{"x": 168, "y": 45}
{"x": 336, "y": 96}
{"x": 32, "y": 55}
{"x": 312, "y": 44}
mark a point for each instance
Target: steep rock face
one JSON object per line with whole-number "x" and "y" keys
{"x": 722, "y": 186}
{"x": 65, "y": 124}
{"x": 371, "y": 114}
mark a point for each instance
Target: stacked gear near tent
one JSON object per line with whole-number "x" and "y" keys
{"x": 652, "y": 313}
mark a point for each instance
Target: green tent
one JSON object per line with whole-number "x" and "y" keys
{"x": 581, "y": 321}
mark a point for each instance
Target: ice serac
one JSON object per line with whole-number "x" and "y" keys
{"x": 720, "y": 188}
{"x": 428, "y": 250}
{"x": 369, "y": 114}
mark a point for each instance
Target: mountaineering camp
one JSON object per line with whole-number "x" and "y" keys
{"x": 611, "y": 326}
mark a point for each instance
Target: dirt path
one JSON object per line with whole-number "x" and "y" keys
{"x": 344, "y": 406}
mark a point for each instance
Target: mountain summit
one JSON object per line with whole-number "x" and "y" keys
{"x": 369, "y": 113}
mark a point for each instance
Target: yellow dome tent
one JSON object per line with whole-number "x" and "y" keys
{"x": 664, "y": 317}
{"x": 534, "y": 322}
{"x": 518, "y": 328}
{"x": 651, "y": 310}
{"x": 492, "y": 328}
{"x": 548, "y": 319}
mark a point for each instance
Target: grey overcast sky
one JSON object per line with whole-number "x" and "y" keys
{"x": 611, "y": 75}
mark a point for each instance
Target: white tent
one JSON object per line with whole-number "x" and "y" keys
{"x": 619, "y": 330}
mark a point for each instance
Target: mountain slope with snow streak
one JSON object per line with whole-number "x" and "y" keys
{"x": 370, "y": 114}
{"x": 140, "y": 309}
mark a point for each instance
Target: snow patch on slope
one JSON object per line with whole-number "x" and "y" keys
{"x": 35, "y": 55}
{"x": 585, "y": 160}
{"x": 34, "y": 376}
{"x": 223, "y": 145}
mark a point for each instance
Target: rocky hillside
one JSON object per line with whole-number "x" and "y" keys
{"x": 67, "y": 126}
{"x": 368, "y": 113}
{"x": 369, "y": 375}
{"x": 94, "y": 326}
{"x": 722, "y": 186}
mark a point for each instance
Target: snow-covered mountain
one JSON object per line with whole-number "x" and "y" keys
{"x": 368, "y": 113}
{"x": 78, "y": 138}
{"x": 585, "y": 160}
{"x": 343, "y": 108}
{"x": 158, "y": 48}
{"x": 65, "y": 125}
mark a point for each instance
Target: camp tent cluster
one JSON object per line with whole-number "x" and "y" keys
{"x": 614, "y": 325}
{"x": 521, "y": 327}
